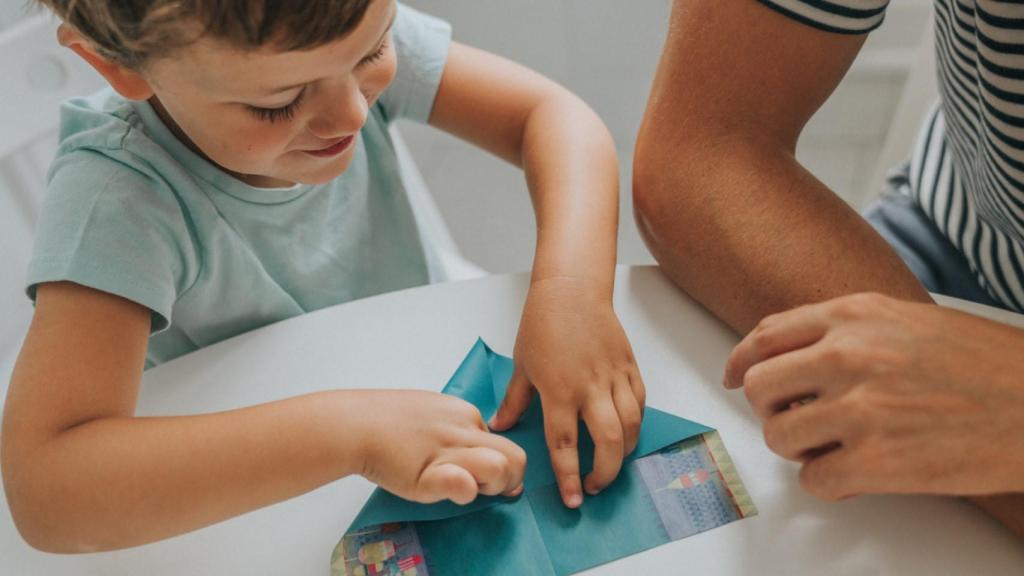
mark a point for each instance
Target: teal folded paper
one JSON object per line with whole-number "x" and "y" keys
{"x": 678, "y": 482}
{"x": 481, "y": 380}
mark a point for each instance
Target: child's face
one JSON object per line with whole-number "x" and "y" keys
{"x": 276, "y": 118}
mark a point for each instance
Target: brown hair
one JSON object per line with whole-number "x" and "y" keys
{"x": 130, "y": 32}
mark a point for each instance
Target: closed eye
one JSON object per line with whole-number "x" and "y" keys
{"x": 282, "y": 113}
{"x": 370, "y": 59}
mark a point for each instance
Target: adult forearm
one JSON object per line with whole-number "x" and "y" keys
{"x": 572, "y": 172}
{"x": 119, "y": 482}
{"x": 747, "y": 231}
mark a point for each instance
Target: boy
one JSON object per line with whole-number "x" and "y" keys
{"x": 242, "y": 175}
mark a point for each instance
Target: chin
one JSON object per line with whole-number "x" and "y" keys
{"x": 326, "y": 173}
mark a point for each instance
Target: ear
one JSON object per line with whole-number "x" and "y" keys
{"x": 126, "y": 81}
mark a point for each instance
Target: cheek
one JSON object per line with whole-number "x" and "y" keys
{"x": 244, "y": 144}
{"x": 380, "y": 77}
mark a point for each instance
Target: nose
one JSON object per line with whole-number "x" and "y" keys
{"x": 339, "y": 112}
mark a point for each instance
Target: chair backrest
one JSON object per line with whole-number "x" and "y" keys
{"x": 38, "y": 74}
{"x": 920, "y": 92}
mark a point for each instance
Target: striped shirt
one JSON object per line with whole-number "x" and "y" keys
{"x": 967, "y": 168}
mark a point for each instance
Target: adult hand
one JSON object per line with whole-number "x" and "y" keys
{"x": 573, "y": 350}
{"x": 875, "y": 395}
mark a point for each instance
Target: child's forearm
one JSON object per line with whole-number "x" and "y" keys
{"x": 572, "y": 172}
{"x": 118, "y": 482}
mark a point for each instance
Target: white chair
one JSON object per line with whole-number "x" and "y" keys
{"x": 38, "y": 75}
{"x": 919, "y": 93}
{"x": 444, "y": 258}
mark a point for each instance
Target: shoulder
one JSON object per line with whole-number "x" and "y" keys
{"x": 412, "y": 26}
{"x": 421, "y": 46}
{"x": 102, "y": 120}
{"x": 107, "y": 156}
{"x": 107, "y": 224}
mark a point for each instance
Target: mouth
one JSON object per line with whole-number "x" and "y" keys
{"x": 334, "y": 149}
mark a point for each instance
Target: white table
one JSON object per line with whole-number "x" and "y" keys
{"x": 417, "y": 337}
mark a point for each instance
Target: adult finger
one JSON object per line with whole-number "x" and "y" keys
{"x": 606, "y": 430}
{"x": 797, "y": 433}
{"x": 774, "y": 335}
{"x": 833, "y": 475}
{"x": 560, "y": 430}
{"x": 628, "y": 407}
{"x": 776, "y": 383}
{"x": 517, "y": 399}
{"x": 445, "y": 480}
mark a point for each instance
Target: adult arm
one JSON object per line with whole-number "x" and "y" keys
{"x": 720, "y": 198}
{"x": 727, "y": 210}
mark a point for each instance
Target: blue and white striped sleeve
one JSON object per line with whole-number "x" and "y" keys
{"x": 839, "y": 16}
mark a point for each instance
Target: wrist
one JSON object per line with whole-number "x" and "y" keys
{"x": 585, "y": 288}
{"x": 348, "y": 430}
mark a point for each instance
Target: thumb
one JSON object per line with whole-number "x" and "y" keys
{"x": 517, "y": 399}
{"x": 446, "y": 481}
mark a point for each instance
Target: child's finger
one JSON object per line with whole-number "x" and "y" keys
{"x": 636, "y": 383}
{"x": 491, "y": 469}
{"x": 628, "y": 407}
{"x": 606, "y": 430}
{"x": 517, "y": 399}
{"x": 513, "y": 453}
{"x": 446, "y": 480}
{"x": 560, "y": 430}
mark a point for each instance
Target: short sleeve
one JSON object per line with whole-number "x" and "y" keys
{"x": 839, "y": 16}
{"x": 421, "y": 44}
{"x": 109, "y": 227}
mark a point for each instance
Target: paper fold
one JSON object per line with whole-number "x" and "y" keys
{"x": 481, "y": 380}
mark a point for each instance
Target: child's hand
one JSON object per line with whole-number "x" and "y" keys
{"x": 573, "y": 350}
{"x": 426, "y": 447}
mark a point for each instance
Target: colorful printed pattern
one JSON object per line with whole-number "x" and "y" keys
{"x": 385, "y": 550}
{"x": 689, "y": 491}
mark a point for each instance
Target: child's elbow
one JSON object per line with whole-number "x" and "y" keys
{"x": 42, "y": 531}
{"x": 36, "y": 535}
{"x": 41, "y": 521}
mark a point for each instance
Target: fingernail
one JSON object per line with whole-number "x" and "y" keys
{"x": 574, "y": 501}
{"x": 490, "y": 423}
{"x": 517, "y": 491}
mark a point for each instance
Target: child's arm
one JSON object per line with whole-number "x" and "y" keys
{"x": 571, "y": 346}
{"x": 82, "y": 474}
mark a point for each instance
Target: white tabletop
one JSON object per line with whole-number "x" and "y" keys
{"x": 416, "y": 338}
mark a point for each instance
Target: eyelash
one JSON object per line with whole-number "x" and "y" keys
{"x": 287, "y": 112}
{"x": 375, "y": 56}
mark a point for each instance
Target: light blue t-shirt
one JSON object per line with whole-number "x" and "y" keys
{"x": 130, "y": 210}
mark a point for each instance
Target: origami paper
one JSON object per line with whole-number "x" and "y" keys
{"x": 679, "y": 481}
